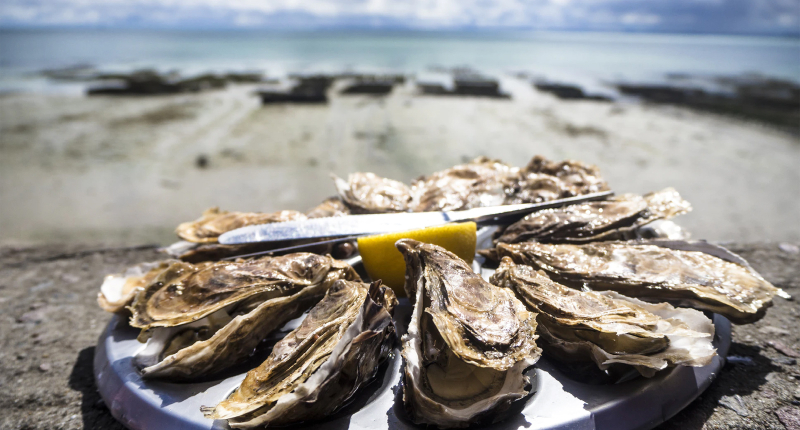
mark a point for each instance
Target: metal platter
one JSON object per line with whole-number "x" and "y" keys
{"x": 560, "y": 399}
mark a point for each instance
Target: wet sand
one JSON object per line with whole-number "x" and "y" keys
{"x": 124, "y": 170}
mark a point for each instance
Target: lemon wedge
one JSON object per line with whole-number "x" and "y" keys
{"x": 383, "y": 261}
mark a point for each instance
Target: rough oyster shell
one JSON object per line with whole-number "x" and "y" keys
{"x": 333, "y": 206}
{"x": 214, "y": 222}
{"x": 316, "y": 368}
{"x": 210, "y": 250}
{"x": 612, "y": 219}
{"x": 696, "y": 275}
{"x": 478, "y": 183}
{"x": 200, "y": 319}
{"x": 370, "y": 193}
{"x": 118, "y": 290}
{"x": 468, "y": 341}
{"x": 543, "y": 180}
{"x": 608, "y": 327}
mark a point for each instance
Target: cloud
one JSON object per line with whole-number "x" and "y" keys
{"x": 729, "y": 16}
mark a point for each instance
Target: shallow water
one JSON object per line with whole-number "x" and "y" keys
{"x": 585, "y": 58}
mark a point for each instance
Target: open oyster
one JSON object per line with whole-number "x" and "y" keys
{"x": 214, "y": 222}
{"x": 118, "y": 290}
{"x": 612, "y": 219}
{"x": 607, "y": 327}
{"x": 543, "y": 180}
{"x": 316, "y": 368}
{"x": 468, "y": 341}
{"x": 370, "y": 193}
{"x": 697, "y": 275}
{"x": 221, "y": 222}
{"x": 478, "y": 183}
{"x": 333, "y": 206}
{"x": 200, "y": 319}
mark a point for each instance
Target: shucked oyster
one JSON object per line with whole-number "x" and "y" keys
{"x": 370, "y": 193}
{"x": 200, "y": 319}
{"x": 194, "y": 252}
{"x": 316, "y": 368}
{"x": 118, "y": 290}
{"x": 543, "y": 180}
{"x": 612, "y": 219}
{"x": 697, "y": 275}
{"x": 468, "y": 341}
{"x": 478, "y": 183}
{"x": 214, "y": 222}
{"x": 607, "y": 327}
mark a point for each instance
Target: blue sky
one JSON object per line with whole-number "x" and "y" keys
{"x": 705, "y": 16}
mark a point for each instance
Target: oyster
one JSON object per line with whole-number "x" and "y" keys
{"x": 478, "y": 183}
{"x": 316, "y": 368}
{"x": 119, "y": 290}
{"x": 214, "y": 222}
{"x": 200, "y": 319}
{"x": 370, "y": 193}
{"x": 607, "y": 327}
{"x": 468, "y": 341}
{"x": 333, "y": 206}
{"x": 616, "y": 218}
{"x": 543, "y": 180}
{"x": 697, "y": 275}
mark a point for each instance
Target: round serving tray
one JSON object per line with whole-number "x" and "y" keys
{"x": 560, "y": 399}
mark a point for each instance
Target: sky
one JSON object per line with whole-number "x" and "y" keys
{"x": 781, "y": 17}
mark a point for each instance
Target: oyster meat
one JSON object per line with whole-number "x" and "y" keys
{"x": 370, "y": 193}
{"x": 613, "y": 219}
{"x": 478, "y": 183}
{"x": 468, "y": 341}
{"x": 318, "y": 367}
{"x": 607, "y": 327}
{"x": 543, "y": 180}
{"x": 200, "y": 319}
{"x": 696, "y": 275}
{"x": 214, "y": 222}
{"x": 118, "y": 290}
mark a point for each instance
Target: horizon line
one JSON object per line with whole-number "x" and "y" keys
{"x": 398, "y": 29}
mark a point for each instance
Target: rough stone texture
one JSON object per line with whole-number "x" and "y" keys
{"x": 50, "y": 321}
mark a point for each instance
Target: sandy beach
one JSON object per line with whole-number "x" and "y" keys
{"x": 124, "y": 170}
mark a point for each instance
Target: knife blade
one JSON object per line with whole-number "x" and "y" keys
{"x": 360, "y": 225}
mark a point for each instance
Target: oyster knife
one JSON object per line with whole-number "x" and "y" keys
{"x": 359, "y": 225}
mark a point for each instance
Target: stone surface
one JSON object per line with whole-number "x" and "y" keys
{"x": 59, "y": 285}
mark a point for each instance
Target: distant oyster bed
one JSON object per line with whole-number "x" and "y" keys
{"x": 471, "y": 339}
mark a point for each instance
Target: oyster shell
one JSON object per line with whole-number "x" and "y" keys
{"x": 119, "y": 290}
{"x": 612, "y": 219}
{"x": 370, "y": 193}
{"x": 607, "y": 327}
{"x": 468, "y": 341}
{"x": 214, "y": 222}
{"x": 316, "y": 368}
{"x": 333, "y": 206}
{"x": 219, "y": 222}
{"x": 696, "y": 275}
{"x": 478, "y": 183}
{"x": 200, "y": 319}
{"x": 543, "y": 180}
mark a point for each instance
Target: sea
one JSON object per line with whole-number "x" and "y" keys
{"x": 587, "y": 59}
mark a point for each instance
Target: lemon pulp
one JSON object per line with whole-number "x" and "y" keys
{"x": 383, "y": 261}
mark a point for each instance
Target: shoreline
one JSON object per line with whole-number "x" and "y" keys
{"x": 124, "y": 169}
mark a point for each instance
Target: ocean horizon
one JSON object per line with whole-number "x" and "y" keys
{"x": 586, "y": 58}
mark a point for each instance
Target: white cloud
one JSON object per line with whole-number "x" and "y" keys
{"x": 634, "y": 18}
{"x": 678, "y": 15}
